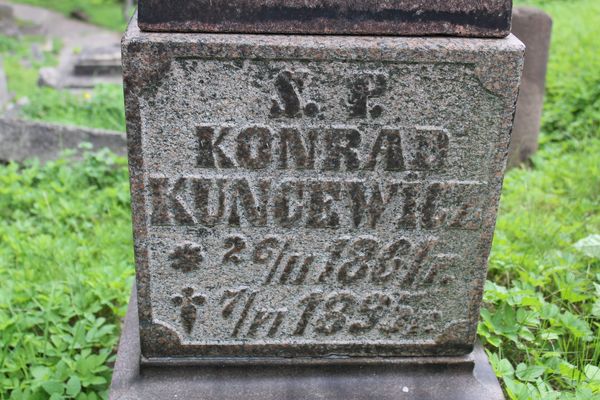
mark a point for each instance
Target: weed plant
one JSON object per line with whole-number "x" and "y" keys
{"x": 541, "y": 320}
{"x": 66, "y": 268}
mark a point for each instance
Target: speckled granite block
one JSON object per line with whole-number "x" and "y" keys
{"x": 481, "y": 18}
{"x": 314, "y": 197}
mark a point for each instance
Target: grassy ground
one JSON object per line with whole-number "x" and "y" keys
{"x": 66, "y": 253}
{"x": 101, "y": 107}
{"x": 66, "y": 268}
{"x": 542, "y": 317}
{"x": 106, "y": 13}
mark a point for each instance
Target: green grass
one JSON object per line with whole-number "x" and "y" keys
{"x": 541, "y": 323}
{"x": 66, "y": 265}
{"x": 101, "y": 107}
{"x": 106, "y": 13}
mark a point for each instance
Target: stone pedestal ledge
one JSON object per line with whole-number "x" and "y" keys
{"x": 468, "y": 18}
{"x": 449, "y": 378}
{"x": 22, "y": 140}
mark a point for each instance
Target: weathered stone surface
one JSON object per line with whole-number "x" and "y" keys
{"x": 485, "y": 18}
{"x": 23, "y": 140}
{"x": 412, "y": 378}
{"x": 301, "y": 196}
{"x": 534, "y": 28}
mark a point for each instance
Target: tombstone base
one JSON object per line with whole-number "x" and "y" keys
{"x": 448, "y": 378}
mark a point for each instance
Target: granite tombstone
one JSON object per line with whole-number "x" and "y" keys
{"x": 534, "y": 28}
{"x": 309, "y": 196}
{"x": 313, "y": 200}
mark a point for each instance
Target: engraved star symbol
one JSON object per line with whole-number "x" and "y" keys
{"x": 186, "y": 257}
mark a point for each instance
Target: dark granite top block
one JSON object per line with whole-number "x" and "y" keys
{"x": 467, "y": 18}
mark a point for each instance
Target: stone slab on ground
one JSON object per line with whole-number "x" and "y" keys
{"x": 75, "y": 36}
{"x": 450, "y": 378}
{"x": 22, "y": 140}
{"x": 94, "y": 66}
{"x": 534, "y": 28}
{"x": 314, "y": 196}
{"x": 57, "y": 79}
{"x": 99, "y": 61}
{"x": 484, "y": 18}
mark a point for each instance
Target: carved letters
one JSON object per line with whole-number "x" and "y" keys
{"x": 324, "y": 148}
{"x": 289, "y": 87}
{"x": 317, "y": 313}
{"x": 313, "y": 231}
{"x": 314, "y": 204}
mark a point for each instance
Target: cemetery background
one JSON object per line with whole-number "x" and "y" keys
{"x": 66, "y": 261}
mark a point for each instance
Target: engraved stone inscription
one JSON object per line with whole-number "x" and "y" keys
{"x": 316, "y": 208}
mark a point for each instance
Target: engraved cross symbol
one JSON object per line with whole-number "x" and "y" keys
{"x": 189, "y": 301}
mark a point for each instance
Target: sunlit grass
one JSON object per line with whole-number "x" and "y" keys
{"x": 543, "y": 296}
{"x": 106, "y": 13}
